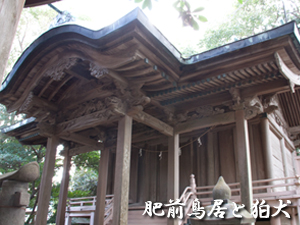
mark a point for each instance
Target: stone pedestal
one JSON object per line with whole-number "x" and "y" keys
{"x": 13, "y": 201}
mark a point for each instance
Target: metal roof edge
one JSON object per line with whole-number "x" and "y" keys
{"x": 18, "y": 125}
{"x": 135, "y": 15}
{"x": 286, "y": 29}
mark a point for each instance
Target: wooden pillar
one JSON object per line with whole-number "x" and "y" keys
{"x": 121, "y": 185}
{"x": 173, "y": 172}
{"x": 267, "y": 147}
{"x": 294, "y": 217}
{"x": 101, "y": 188}
{"x": 10, "y": 12}
{"x": 244, "y": 164}
{"x": 210, "y": 158}
{"x": 63, "y": 192}
{"x": 46, "y": 181}
{"x": 68, "y": 220}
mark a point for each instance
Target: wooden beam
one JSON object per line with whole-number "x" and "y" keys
{"x": 46, "y": 181}
{"x": 275, "y": 86}
{"x": 10, "y": 12}
{"x": 118, "y": 77}
{"x": 83, "y": 140}
{"x": 294, "y": 130}
{"x": 153, "y": 122}
{"x": 292, "y": 77}
{"x": 101, "y": 117}
{"x": 195, "y": 124}
{"x": 173, "y": 172}
{"x": 63, "y": 192}
{"x": 244, "y": 164}
{"x": 122, "y": 171}
{"x": 212, "y": 100}
{"x": 82, "y": 149}
{"x": 101, "y": 188}
{"x": 62, "y": 83}
{"x": 44, "y": 103}
{"x": 45, "y": 87}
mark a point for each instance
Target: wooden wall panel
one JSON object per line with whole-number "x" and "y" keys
{"x": 289, "y": 159}
{"x": 134, "y": 163}
{"x": 143, "y": 187}
{"x": 185, "y": 166}
{"x": 111, "y": 173}
{"x": 163, "y": 176}
{"x": 227, "y": 157}
{"x": 153, "y": 171}
{"x": 258, "y": 160}
{"x": 252, "y": 153}
{"x": 216, "y": 155}
{"x": 277, "y": 160}
{"x": 202, "y": 156}
{"x": 277, "y": 157}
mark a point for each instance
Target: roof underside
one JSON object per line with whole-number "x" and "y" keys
{"x": 70, "y": 73}
{"x": 32, "y": 3}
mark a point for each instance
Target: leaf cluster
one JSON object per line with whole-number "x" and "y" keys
{"x": 188, "y": 16}
{"x": 250, "y": 17}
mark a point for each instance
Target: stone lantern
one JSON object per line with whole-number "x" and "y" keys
{"x": 222, "y": 192}
{"x": 14, "y": 196}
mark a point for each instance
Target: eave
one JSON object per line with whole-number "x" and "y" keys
{"x": 132, "y": 56}
{"x": 32, "y": 3}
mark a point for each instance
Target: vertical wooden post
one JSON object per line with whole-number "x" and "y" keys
{"x": 101, "y": 188}
{"x": 63, "y": 192}
{"x": 10, "y": 12}
{"x": 298, "y": 210}
{"x": 267, "y": 147}
{"x": 293, "y": 217}
{"x": 68, "y": 220}
{"x": 244, "y": 159}
{"x": 121, "y": 186}
{"x": 173, "y": 171}
{"x": 275, "y": 220}
{"x": 46, "y": 181}
{"x": 92, "y": 218}
{"x": 210, "y": 159}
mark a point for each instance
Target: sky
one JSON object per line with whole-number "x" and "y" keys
{"x": 163, "y": 15}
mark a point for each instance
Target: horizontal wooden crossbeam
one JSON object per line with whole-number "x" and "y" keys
{"x": 195, "y": 124}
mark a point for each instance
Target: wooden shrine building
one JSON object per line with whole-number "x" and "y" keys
{"x": 126, "y": 90}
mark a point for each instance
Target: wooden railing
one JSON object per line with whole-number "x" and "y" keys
{"x": 267, "y": 189}
{"x": 85, "y": 207}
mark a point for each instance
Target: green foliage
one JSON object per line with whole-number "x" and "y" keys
{"x": 251, "y": 17}
{"x": 84, "y": 180}
{"x": 33, "y": 22}
{"x": 87, "y": 160}
{"x": 189, "y": 17}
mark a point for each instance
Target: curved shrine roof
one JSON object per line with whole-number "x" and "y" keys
{"x": 71, "y": 73}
